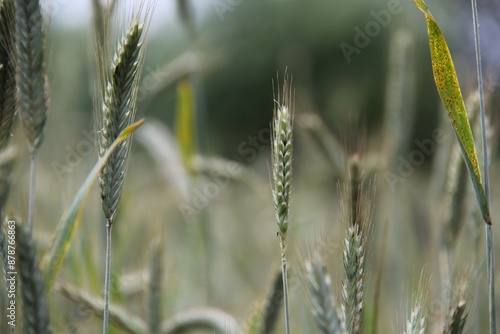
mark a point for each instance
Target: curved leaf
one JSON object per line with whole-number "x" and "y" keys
{"x": 58, "y": 248}
{"x": 449, "y": 90}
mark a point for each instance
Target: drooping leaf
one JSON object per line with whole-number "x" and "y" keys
{"x": 61, "y": 240}
{"x": 449, "y": 90}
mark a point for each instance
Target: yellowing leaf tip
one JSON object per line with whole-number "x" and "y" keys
{"x": 130, "y": 129}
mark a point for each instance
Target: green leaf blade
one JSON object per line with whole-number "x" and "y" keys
{"x": 57, "y": 250}
{"x": 185, "y": 127}
{"x": 448, "y": 88}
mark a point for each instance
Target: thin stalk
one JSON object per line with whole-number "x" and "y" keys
{"x": 489, "y": 237}
{"x": 281, "y": 143}
{"x": 31, "y": 205}
{"x": 285, "y": 286}
{"x": 107, "y": 282}
{"x": 491, "y": 279}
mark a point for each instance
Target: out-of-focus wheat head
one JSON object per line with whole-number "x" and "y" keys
{"x": 31, "y": 75}
{"x": 7, "y": 70}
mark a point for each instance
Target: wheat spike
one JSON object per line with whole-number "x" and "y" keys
{"x": 416, "y": 321}
{"x": 31, "y": 76}
{"x": 7, "y": 70}
{"x": 353, "y": 285}
{"x": 356, "y": 207}
{"x": 118, "y": 112}
{"x": 322, "y": 302}
{"x": 456, "y": 319}
{"x": 35, "y": 310}
{"x": 282, "y": 140}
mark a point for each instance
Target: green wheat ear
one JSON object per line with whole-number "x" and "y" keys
{"x": 31, "y": 75}
{"x": 282, "y": 149}
{"x": 7, "y": 70}
{"x": 282, "y": 140}
{"x": 35, "y": 309}
{"x": 118, "y": 112}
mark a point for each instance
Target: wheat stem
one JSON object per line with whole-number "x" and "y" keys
{"x": 155, "y": 288}
{"x": 118, "y": 112}
{"x": 285, "y": 285}
{"x": 489, "y": 237}
{"x": 31, "y": 207}
{"x": 107, "y": 280}
{"x": 491, "y": 279}
{"x": 282, "y": 176}
{"x": 31, "y": 82}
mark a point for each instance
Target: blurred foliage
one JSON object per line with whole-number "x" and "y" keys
{"x": 231, "y": 62}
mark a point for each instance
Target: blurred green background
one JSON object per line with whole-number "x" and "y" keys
{"x": 231, "y": 52}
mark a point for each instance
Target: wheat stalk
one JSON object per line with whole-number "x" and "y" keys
{"x": 486, "y": 173}
{"x": 155, "y": 287}
{"x": 7, "y": 70}
{"x": 281, "y": 141}
{"x": 118, "y": 112}
{"x": 31, "y": 81}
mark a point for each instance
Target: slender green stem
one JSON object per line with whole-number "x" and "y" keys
{"x": 31, "y": 205}
{"x": 486, "y": 184}
{"x": 285, "y": 286}
{"x": 481, "y": 100}
{"x": 491, "y": 279}
{"x": 107, "y": 281}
